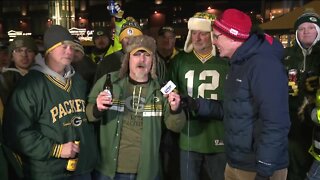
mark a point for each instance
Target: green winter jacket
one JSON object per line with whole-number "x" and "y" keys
{"x": 155, "y": 112}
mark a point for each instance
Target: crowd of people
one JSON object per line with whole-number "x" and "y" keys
{"x": 243, "y": 107}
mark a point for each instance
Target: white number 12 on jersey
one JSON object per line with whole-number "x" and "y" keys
{"x": 203, "y": 86}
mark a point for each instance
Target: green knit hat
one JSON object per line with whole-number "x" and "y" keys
{"x": 101, "y": 31}
{"x": 55, "y": 36}
{"x": 23, "y": 41}
{"x": 311, "y": 17}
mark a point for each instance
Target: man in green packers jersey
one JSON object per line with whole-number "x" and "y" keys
{"x": 45, "y": 116}
{"x": 197, "y": 72}
{"x": 132, "y": 112}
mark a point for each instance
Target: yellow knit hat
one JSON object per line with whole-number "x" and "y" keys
{"x": 130, "y": 28}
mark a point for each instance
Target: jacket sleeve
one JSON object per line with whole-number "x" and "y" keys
{"x": 210, "y": 108}
{"x": 116, "y": 42}
{"x": 91, "y": 110}
{"x": 269, "y": 86}
{"x": 20, "y": 126}
{"x": 173, "y": 121}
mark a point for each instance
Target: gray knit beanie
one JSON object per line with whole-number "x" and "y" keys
{"x": 55, "y": 36}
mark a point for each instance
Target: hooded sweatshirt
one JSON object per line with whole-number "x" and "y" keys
{"x": 306, "y": 62}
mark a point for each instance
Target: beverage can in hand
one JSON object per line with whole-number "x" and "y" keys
{"x": 293, "y": 75}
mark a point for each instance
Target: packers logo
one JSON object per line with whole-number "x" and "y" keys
{"x": 313, "y": 19}
{"x": 100, "y": 33}
{"x": 130, "y": 32}
{"x": 156, "y": 99}
{"x": 76, "y": 121}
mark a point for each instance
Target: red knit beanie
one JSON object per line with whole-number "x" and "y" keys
{"x": 234, "y": 23}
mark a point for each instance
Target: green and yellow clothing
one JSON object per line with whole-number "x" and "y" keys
{"x": 198, "y": 76}
{"x": 45, "y": 111}
{"x": 129, "y": 151}
{"x": 116, "y": 46}
{"x": 9, "y": 161}
{"x": 301, "y": 130}
{"x": 149, "y": 109}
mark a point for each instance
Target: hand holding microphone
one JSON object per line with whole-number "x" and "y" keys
{"x": 174, "y": 101}
{"x": 173, "y": 97}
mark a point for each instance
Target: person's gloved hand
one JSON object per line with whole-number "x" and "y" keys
{"x": 116, "y": 10}
{"x": 293, "y": 88}
{"x": 260, "y": 177}
{"x": 312, "y": 83}
{"x": 189, "y": 103}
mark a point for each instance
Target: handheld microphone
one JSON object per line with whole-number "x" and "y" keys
{"x": 168, "y": 88}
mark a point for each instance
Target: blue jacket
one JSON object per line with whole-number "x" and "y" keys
{"x": 255, "y": 109}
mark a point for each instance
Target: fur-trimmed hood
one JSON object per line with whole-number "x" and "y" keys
{"x": 137, "y": 43}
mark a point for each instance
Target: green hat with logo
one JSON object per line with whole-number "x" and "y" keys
{"x": 101, "y": 31}
{"x": 311, "y": 17}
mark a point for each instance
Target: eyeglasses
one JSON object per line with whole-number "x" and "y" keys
{"x": 23, "y": 51}
{"x": 216, "y": 36}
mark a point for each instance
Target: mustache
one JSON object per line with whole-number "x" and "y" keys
{"x": 141, "y": 65}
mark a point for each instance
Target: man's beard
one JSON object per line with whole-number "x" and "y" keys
{"x": 141, "y": 73}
